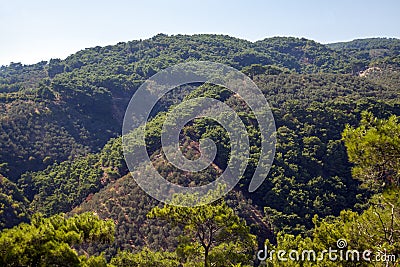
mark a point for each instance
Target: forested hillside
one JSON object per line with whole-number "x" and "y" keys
{"x": 61, "y": 151}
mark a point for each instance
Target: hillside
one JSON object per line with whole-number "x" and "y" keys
{"x": 13, "y": 204}
{"x": 369, "y": 48}
{"x": 60, "y": 127}
{"x": 92, "y": 87}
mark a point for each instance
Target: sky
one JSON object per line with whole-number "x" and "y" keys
{"x": 32, "y": 31}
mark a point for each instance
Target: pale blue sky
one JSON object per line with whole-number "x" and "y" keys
{"x": 36, "y": 30}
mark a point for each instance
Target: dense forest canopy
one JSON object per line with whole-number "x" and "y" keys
{"x": 336, "y": 168}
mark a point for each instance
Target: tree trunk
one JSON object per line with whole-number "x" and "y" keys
{"x": 206, "y": 257}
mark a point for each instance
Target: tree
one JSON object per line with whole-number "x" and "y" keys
{"x": 13, "y": 204}
{"x": 50, "y": 241}
{"x": 212, "y": 228}
{"x": 374, "y": 148}
{"x": 145, "y": 258}
{"x": 56, "y": 66}
{"x": 376, "y": 230}
{"x": 257, "y": 69}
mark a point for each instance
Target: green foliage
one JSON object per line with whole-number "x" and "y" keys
{"x": 374, "y": 148}
{"x": 145, "y": 258}
{"x": 55, "y": 67}
{"x": 68, "y": 108}
{"x": 13, "y": 204}
{"x": 311, "y": 174}
{"x": 306, "y": 89}
{"x": 36, "y": 133}
{"x": 63, "y": 186}
{"x": 56, "y": 117}
{"x": 304, "y": 55}
{"x": 213, "y": 230}
{"x": 17, "y": 77}
{"x": 258, "y": 69}
{"x": 46, "y": 242}
{"x": 369, "y": 48}
{"x": 376, "y": 229}
{"x": 125, "y": 203}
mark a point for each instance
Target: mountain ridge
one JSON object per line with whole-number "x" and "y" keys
{"x": 60, "y": 127}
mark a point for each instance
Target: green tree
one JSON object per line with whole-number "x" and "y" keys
{"x": 210, "y": 228}
{"x": 145, "y": 258}
{"x": 257, "y": 69}
{"x": 377, "y": 230}
{"x": 50, "y": 241}
{"x": 56, "y": 66}
{"x": 13, "y": 204}
{"x": 374, "y": 148}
